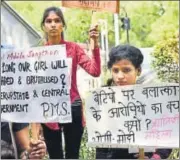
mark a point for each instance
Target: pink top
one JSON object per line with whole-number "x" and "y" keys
{"x": 90, "y": 65}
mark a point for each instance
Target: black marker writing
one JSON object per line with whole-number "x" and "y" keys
{"x": 96, "y": 113}
{"x": 133, "y": 124}
{"x": 41, "y": 79}
{"x": 8, "y": 67}
{"x": 62, "y": 77}
{"x": 54, "y": 92}
{"x": 58, "y": 64}
{"x": 122, "y": 137}
{"x": 172, "y": 104}
{"x": 129, "y": 94}
{"x": 19, "y": 80}
{"x": 40, "y": 65}
{"x": 103, "y": 138}
{"x": 103, "y": 96}
{"x": 35, "y": 95}
{"x": 160, "y": 91}
{"x": 14, "y": 95}
{"x": 50, "y": 109}
{"x": 7, "y": 81}
{"x": 148, "y": 122}
{"x": 157, "y": 107}
{"x": 24, "y": 67}
{"x": 14, "y": 108}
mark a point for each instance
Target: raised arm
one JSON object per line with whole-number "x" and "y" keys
{"x": 93, "y": 65}
{"x": 90, "y": 65}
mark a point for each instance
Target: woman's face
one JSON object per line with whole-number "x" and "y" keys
{"x": 124, "y": 73}
{"x": 53, "y": 25}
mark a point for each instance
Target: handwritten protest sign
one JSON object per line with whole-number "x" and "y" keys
{"x": 35, "y": 85}
{"x": 138, "y": 115}
{"x": 110, "y": 6}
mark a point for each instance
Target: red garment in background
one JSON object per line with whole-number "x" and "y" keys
{"x": 90, "y": 65}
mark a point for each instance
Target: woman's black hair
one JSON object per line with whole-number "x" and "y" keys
{"x": 58, "y": 13}
{"x": 128, "y": 52}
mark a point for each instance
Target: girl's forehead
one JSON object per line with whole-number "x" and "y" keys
{"x": 122, "y": 62}
{"x": 52, "y": 14}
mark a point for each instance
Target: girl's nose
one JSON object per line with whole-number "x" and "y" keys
{"x": 53, "y": 24}
{"x": 120, "y": 75}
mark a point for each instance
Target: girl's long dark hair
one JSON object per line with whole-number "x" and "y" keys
{"x": 58, "y": 13}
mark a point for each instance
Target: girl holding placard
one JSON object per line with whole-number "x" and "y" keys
{"x": 53, "y": 24}
{"x": 125, "y": 66}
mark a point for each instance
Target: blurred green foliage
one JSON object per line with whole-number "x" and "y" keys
{"x": 166, "y": 59}
{"x": 86, "y": 153}
{"x": 151, "y": 21}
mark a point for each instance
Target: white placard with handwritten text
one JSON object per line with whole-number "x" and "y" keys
{"x": 137, "y": 115}
{"x": 35, "y": 85}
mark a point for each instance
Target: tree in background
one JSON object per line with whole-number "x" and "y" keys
{"x": 166, "y": 59}
{"x": 142, "y": 15}
{"x": 151, "y": 21}
{"x": 168, "y": 24}
{"x": 166, "y": 52}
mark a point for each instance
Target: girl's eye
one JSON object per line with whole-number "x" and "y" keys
{"x": 48, "y": 21}
{"x": 58, "y": 21}
{"x": 115, "y": 70}
{"x": 126, "y": 70}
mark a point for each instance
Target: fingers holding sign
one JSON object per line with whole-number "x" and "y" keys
{"x": 38, "y": 149}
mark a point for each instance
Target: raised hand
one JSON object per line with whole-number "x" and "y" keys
{"x": 94, "y": 36}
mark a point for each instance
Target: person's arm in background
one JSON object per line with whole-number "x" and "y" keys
{"x": 26, "y": 148}
{"x": 91, "y": 66}
{"x": 36, "y": 131}
{"x": 21, "y": 135}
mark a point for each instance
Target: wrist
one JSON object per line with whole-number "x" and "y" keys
{"x": 96, "y": 44}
